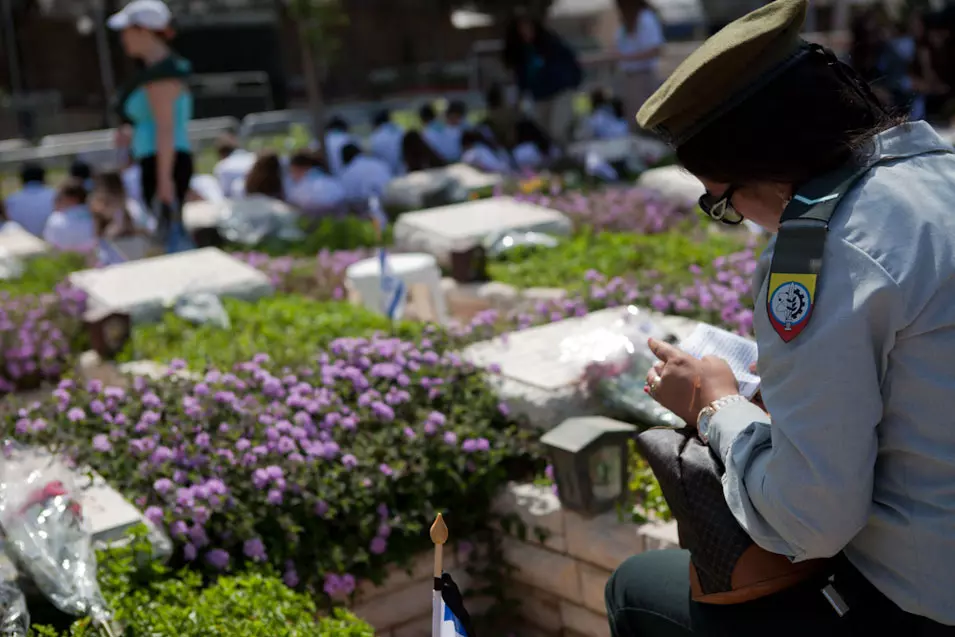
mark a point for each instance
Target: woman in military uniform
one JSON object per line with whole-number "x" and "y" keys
{"x": 856, "y": 331}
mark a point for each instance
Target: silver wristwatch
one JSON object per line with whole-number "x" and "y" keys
{"x": 707, "y": 413}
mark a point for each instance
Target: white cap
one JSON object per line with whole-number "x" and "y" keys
{"x": 148, "y": 14}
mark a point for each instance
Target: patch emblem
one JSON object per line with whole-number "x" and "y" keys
{"x": 789, "y": 303}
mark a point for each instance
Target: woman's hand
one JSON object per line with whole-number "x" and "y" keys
{"x": 684, "y": 384}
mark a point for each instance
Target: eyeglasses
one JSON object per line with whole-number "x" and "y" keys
{"x": 721, "y": 208}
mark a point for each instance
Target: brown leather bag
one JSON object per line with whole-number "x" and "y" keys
{"x": 726, "y": 566}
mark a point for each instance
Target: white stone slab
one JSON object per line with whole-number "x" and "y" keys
{"x": 540, "y": 375}
{"x": 674, "y": 183}
{"x": 412, "y": 191}
{"x": 21, "y": 244}
{"x": 145, "y": 288}
{"x": 643, "y": 149}
{"x": 440, "y": 231}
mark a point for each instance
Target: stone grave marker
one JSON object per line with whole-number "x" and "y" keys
{"x": 674, "y": 183}
{"x": 414, "y": 190}
{"x": 540, "y": 376}
{"x": 20, "y": 244}
{"x": 144, "y": 288}
{"x": 440, "y": 231}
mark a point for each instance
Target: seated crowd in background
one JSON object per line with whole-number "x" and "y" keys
{"x": 342, "y": 174}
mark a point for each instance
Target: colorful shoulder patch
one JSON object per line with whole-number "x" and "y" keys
{"x": 789, "y": 303}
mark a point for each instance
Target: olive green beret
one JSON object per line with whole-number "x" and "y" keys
{"x": 726, "y": 69}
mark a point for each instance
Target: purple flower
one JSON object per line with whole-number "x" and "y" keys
{"x": 254, "y": 549}
{"x": 290, "y": 577}
{"x": 218, "y": 559}
{"x": 378, "y": 546}
{"x": 189, "y": 552}
{"x": 450, "y": 437}
{"x": 349, "y": 461}
{"x": 101, "y": 443}
{"x": 76, "y": 415}
{"x": 154, "y": 514}
{"x": 163, "y": 486}
{"x": 321, "y": 508}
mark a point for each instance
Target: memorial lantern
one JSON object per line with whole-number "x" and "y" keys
{"x": 589, "y": 457}
{"x": 109, "y": 331}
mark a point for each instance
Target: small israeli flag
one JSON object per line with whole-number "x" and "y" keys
{"x": 393, "y": 290}
{"x": 451, "y": 618}
{"x": 451, "y": 626}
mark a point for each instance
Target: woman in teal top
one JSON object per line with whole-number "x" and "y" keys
{"x": 156, "y": 105}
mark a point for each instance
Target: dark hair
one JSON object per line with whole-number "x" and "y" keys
{"x": 529, "y": 131}
{"x": 515, "y": 49}
{"x": 599, "y": 97}
{"x": 349, "y": 152}
{"x": 265, "y": 177}
{"x": 72, "y": 188}
{"x": 226, "y": 145}
{"x": 616, "y": 105}
{"x": 3, "y": 211}
{"x": 111, "y": 183}
{"x": 457, "y": 107}
{"x": 337, "y": 123}
{"x": 417, "y": 154}
{"x": 807, "y": 121}
{"x": 630, "y": 9}
{"x": 383, "y": 117}
{"x": 426, "y": 114}
{"x": 302, "y": 159}
{"x": 32, "y": 172}
{"x": 495, "y": 96}
{"x": 471, "y": 138}
{"x": 80, "y": 170}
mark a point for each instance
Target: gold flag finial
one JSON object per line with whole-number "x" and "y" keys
{"x": 439, "y": 531}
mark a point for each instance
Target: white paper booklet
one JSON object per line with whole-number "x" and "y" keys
{"x": 739, "y": 352}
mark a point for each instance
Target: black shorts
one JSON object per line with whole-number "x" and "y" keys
{"x": 181, "y": 177}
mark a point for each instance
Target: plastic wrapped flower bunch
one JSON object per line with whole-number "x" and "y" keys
{"x": 325, "y": 473}
{"x": 37, "y": 336}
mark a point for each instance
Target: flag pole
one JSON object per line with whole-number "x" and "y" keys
{"x": 439, "y": 535}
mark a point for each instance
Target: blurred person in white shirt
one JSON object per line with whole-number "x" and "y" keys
{"x": 32, "y": 205}
{"x": 310, "y": 189}
{"x": 456, "y": 123}
{"x": 385, "y": 141}
{"x": 417, "y": 154}
{"x": 479, "y": 154}
{"x": 435, "y": 132}
{"x": 234, "y": 163}
{"x": 606, "y": 119}
{"x": 266, "y": 179}
{"x": 337, "y": 136}
{"x": 5, "y": 223}
{"x": 640, "y": 43}
{"x": 534, "y": 150}
{"x": 364, "y": 176}
{"x": 71, "y": 227}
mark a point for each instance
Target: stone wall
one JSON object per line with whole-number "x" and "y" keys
{"x": 561, "y": 580}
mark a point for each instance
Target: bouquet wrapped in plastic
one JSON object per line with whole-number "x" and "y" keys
{"x": 616, "y": 361}
{"x": 47, "y": 533}
{"x": 14, "y": 617}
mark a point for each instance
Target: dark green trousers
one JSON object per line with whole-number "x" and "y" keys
{"x": 649, "y": 596}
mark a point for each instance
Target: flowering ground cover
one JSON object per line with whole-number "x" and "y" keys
{"x": 327, "y": 473}
{"x": 40, "y": 334}
{"x": 291, "y": 328}
{"x": 706, "y": 279}
{"x": 42, "y": 274}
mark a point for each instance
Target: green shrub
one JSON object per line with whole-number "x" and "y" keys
{"x": 291, "y": 329}
{"x": 44, "y": 273}
{"x": 154, "y": 601}
{"x": 348, "y": 233}
{"x": 660, "y": 259}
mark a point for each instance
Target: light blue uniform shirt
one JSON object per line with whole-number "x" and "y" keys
{"x": 860, "y": 453}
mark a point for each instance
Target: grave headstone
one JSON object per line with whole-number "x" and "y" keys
{"x": 622, "y": 149}
{"x": 458, "y": 227}
{"x": 441, "y": 185}
{"x": 143, "y": 289}
{"x": 674, "y": 183}
{"x": 20, "y": 244}
{"x": 539, "y": 377}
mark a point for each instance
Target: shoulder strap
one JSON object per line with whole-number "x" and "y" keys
{"x": 801, "y": 244}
